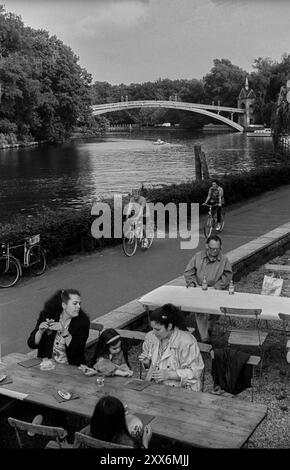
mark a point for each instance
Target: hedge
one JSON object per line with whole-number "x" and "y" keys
{"x": 68, "y": 231}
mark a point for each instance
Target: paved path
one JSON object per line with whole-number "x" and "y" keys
{"x": 109, "y": 279}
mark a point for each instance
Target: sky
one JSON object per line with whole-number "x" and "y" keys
{"x": 134, "y": 41}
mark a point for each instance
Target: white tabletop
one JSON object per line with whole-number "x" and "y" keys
{"x": 194, "y": 299}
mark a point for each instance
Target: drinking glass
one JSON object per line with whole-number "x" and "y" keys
{"x": 100, "y": 381}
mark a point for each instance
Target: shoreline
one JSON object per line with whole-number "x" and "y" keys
{"x": 22, "y": 144}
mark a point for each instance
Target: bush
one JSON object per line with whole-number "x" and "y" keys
{"x": 62, "y": 232}
{"x": 236, "y": 187}
{"x": 68, "y": 231}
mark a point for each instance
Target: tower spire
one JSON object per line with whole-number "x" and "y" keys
{"x": 247, "y": 84}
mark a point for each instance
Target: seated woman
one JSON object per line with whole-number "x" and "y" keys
{"x": 109, "y": 424}
{"x": 62, "y": 329}
{"x": 110, "y": 357}
{"x": 171, "y": 355}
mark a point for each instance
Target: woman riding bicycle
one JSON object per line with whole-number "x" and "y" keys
{"x": 215, "y": 198}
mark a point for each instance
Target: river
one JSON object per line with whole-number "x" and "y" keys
{"x": 80, "y": 171}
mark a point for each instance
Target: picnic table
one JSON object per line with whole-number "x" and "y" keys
{"x": 195, "y": 418}
{"x": 194, "y": 299}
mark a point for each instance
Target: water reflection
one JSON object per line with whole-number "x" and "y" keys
{"x": 78, "y": 172}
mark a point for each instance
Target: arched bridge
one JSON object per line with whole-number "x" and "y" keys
{"x": 211, "y": 111}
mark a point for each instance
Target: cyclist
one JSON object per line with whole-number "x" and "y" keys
{"x": 137, "y": 212}
{"x": 215, "y": 198}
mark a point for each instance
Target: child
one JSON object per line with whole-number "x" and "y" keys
{"x": 110, "y": 356}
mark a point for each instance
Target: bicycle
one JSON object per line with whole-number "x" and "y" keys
{"x": 11, "y": 267}
{"x": 134, "y": 235}
{"x": 211, "y": 221}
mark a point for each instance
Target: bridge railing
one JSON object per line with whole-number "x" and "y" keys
{"x": 161, "y": 103}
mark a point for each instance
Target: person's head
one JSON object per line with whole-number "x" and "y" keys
{"x": 108, "y": 419}
{"x": 68, "y": 300}
{"x": 110, "y": 342}
{"x": 164, "y": 319}
{"x": 135, "y": 193}
{"x": 214, "y": 184}
{"x": 214, "y": 246}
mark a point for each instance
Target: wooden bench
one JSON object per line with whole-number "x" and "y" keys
{"x": 278, "y": 267}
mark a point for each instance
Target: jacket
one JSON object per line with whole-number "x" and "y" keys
{"x": 218, "y": 272}
{"x": 79, "y": 330}
{"x": 181, "y": 355}
{"x": 230, "y": 370}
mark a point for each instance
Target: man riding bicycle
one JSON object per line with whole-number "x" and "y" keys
{"x": 215, "y": 198}
{"x": 137, "y": 213}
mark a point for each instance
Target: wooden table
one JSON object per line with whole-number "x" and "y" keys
{"x": 198, "y": 419}
{"x": 194, "y": 299}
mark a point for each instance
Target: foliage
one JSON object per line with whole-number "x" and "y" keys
{"x": 224, "y": 82}
{"x": 44, "y": 90}
{"x": 161, "y": 89}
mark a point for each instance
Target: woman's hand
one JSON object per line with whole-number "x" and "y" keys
{"x": 161, "y": 375}
{"x": 147, "y": 434}
{"x": 145, "y": 360}
{"x": 43, "y": 326}
{"x": 56, "y": 326}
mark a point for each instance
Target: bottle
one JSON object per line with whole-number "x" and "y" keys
{"x": 231, "y": 288}
{"x": 204, "y": 283}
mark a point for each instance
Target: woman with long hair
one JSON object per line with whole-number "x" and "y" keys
{"x": 170, "y": 355}
{"x": 109, "y": 424}
{"x": 111, "y": 356}
{"x": 62, "y": 329}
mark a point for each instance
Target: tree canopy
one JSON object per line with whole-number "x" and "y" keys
{"x": 44, "y": 90}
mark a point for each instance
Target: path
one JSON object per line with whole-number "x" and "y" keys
{"x": 109, "y": 279}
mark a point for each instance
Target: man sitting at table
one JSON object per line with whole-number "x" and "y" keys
{"x": 214, "y": 267}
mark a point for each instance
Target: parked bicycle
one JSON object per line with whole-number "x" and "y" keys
{"x": 134, "y": 236}
{"x": 11, "y": 267}
{"x": 211, "y": 220}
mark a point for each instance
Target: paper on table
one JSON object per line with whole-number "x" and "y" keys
{"x": 30, "y": 362}
{"x": 137, "y": 384}
{"x": 13, "y": 394}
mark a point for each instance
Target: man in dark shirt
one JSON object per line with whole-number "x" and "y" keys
{"x": 211, "y": 265}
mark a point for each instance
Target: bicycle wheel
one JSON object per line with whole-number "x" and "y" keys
{"x": 129, "y": 243}
{"x": 36, "y": 260}
{"x": 9, "y": 271}
{"x": 208, "y": 227}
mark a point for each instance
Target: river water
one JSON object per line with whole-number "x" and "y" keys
{"x": 80, "y": 171}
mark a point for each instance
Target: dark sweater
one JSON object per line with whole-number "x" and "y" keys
{"x": 79, "y": 330}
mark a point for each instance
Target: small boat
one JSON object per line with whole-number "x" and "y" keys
{"x": 266, "y": 132}
{"x": 159, "y": 142}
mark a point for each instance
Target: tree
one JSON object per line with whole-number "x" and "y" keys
{"x": 45, "y": 91}
{"x": 224, "y": 82}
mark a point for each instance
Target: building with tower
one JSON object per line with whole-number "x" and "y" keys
{"x": 246, "y": 100}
